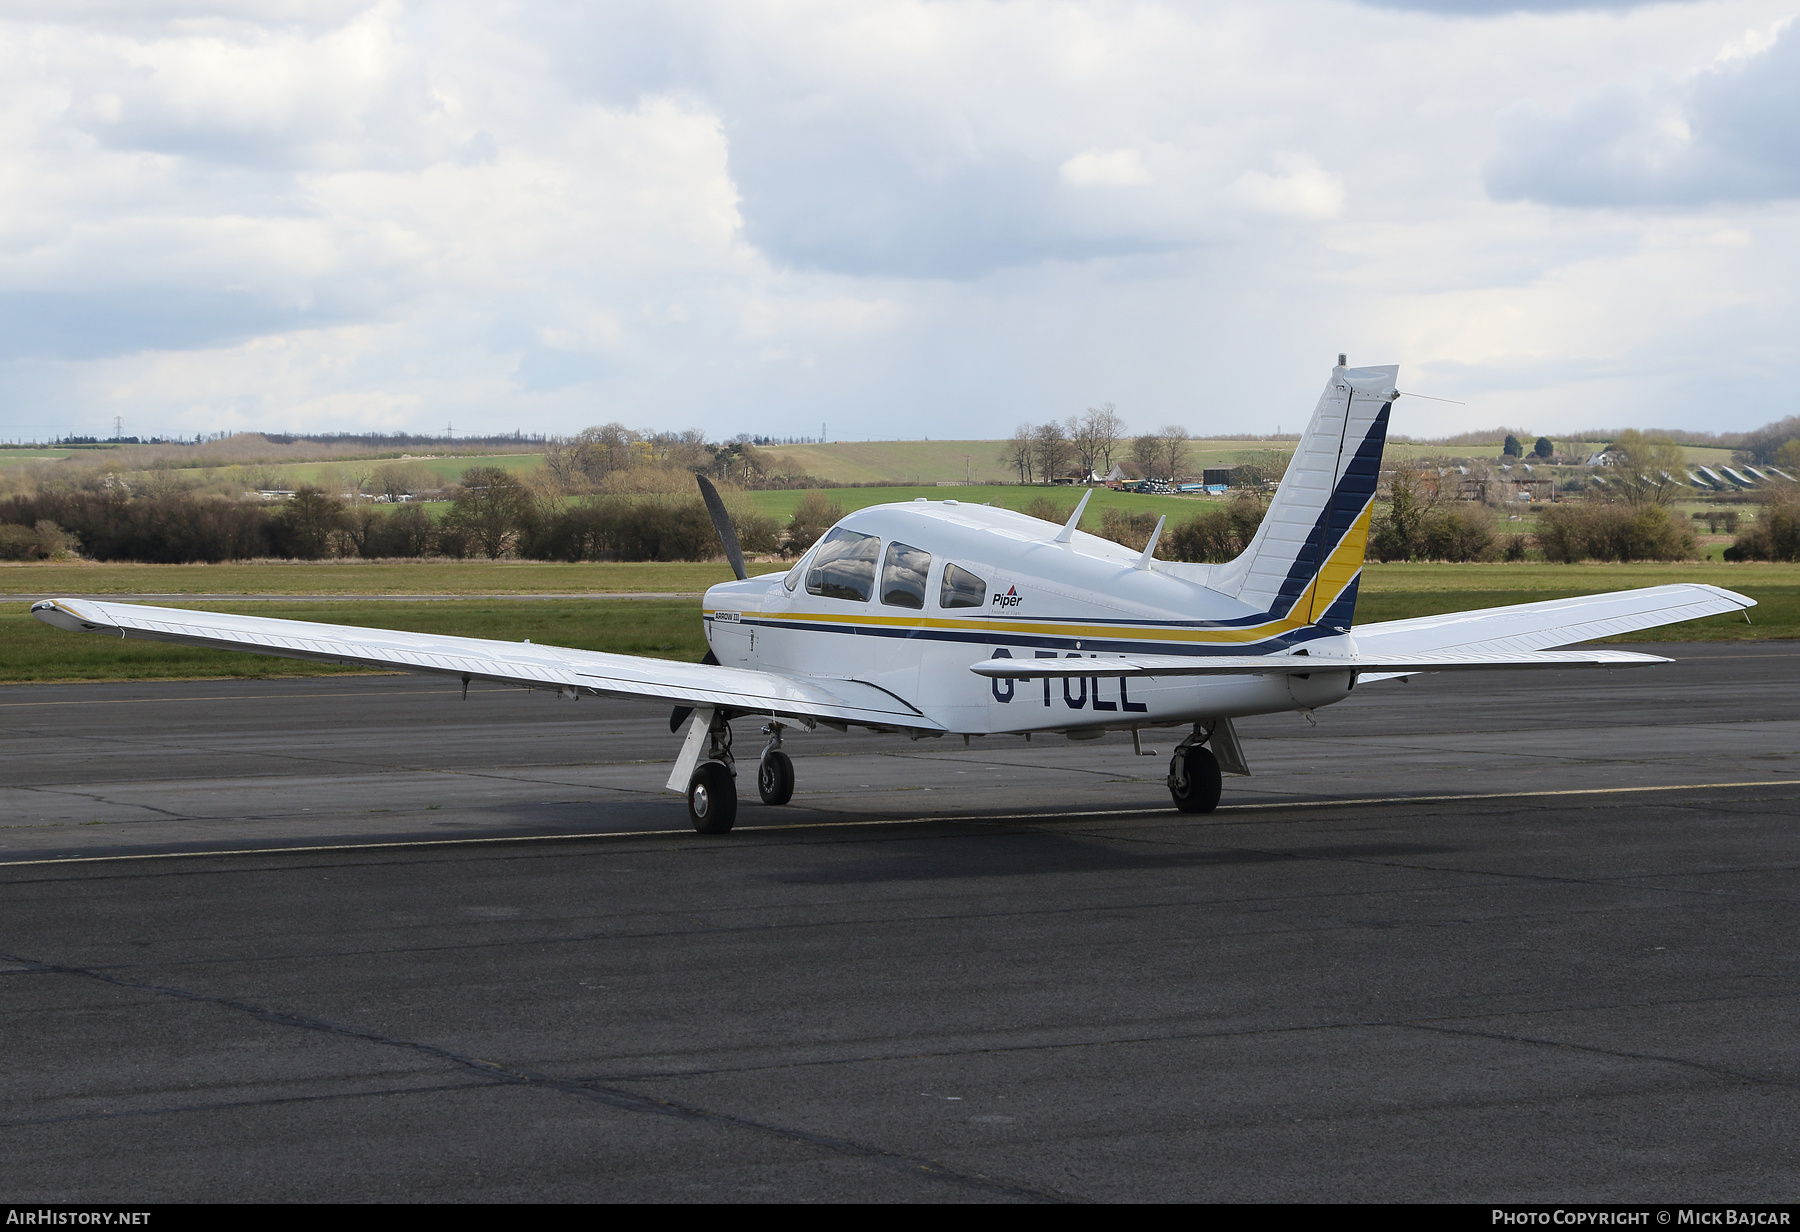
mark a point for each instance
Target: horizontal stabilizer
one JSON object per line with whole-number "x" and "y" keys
{"x": 1302, "y": 665}
{"x": 520, "y": 663}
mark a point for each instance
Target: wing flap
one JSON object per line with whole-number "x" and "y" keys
{"x": 518, "y": 663}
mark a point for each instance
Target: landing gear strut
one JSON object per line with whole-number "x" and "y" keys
{"x": 775, "y": 772}
{"x": 1194, "y": 780}
{"x": 712, "y": 788}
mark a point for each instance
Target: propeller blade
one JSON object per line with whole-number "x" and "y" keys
{"x": 722, "y": 523}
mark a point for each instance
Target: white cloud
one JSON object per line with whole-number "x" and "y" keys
{"x": 1105, "y": 169}
{"x": 1726, "y": 131}
{"x": 751, "y": 215}
{"x": 1301, "y": 189}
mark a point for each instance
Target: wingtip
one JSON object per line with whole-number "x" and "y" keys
{"x": 67, "y": 614}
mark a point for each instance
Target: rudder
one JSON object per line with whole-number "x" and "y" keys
{"x": 1306, "y": 558}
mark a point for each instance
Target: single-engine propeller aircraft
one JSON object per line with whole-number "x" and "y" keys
{"x": 933, "y": 618}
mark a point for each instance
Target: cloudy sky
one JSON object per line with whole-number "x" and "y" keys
{"x": 894, "y": 217}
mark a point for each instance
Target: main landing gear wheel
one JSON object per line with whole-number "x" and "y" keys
{"x": 712, "y": 798}
{"x": 775, "y": 778}
{"x": 1194, "y": 780}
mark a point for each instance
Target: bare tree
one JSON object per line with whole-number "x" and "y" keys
{"x": 580, "y": 462}
{"x": 1646, "y": 469}
{"x": 492, "y": 507}
{"x": 1019, "y": 452}
{"x": 1146, "y": 453}
{"x": 1053, "y": 450}
{"x": 1081, "y": 440}
{"x": 1172, "y": 449}
{"x": 1260, "y": 466}
{"x": 397, "y": 479}
{"x": 1103, "y": 428}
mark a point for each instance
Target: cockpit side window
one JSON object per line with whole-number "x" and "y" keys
{"x": 843, "y": 566}
{"x": 960, "y": 588}
{"x": 903, "y": 576}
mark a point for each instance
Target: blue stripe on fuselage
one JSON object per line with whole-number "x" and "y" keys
{"x": 1087, "y": 642}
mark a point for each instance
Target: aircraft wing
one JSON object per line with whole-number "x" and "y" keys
{"x": 1301, "y": 664}
{"x": 1554, "y": 622}
{"x": 519, "y": 663}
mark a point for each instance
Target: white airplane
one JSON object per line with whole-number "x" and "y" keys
{"x": 935, "y": 618}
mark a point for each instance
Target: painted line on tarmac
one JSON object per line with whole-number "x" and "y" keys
{"x": 401, "y": 844}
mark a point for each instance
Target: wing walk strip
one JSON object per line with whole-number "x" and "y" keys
{"x": 1088, "y": 815}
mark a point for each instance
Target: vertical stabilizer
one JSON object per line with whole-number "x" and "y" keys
{"x": 1304, "y": 563}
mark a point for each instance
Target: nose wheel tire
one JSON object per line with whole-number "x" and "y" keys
{"x": 712, "y": 798}
{"x": 1194, "y": 780}
{"x": 775, "y": 778}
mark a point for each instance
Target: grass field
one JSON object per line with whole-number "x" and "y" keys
{"x": 15, "y": 457}
{"x": 1395, "y": 592}
{"x": 1551, "y": 581}
{"x": 357, "y": 577}
{"x": 449, "y": 469}
{"x": 929, "y": 462}
{"x": 1178, "y": 508}
{"x": 31, "y": 651}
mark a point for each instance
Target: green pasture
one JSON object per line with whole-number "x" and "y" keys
{"x": 525, "y": 577}
{"x": 781, "y": 505}
{"x": 449, "y": 469}
{"x": 31, "y": 651}
{"x": 358, "y": 577}
{"x": 16, "y": 457}
{"x": 931, "y": 462}
{"x": 1396, "y": 592}
{"x": 1540, "y": 580}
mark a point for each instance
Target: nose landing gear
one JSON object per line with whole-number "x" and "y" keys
{"x": 775, "y": 773}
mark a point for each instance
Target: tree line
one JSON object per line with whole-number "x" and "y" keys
{"x": 610, "y": 493}
{"x": 1089, "y": 444}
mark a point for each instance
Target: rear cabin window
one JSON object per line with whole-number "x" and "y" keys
{"x": 903, "y": 576}
{"x": 960, "y": 588}
{"x": 843, "y": 567}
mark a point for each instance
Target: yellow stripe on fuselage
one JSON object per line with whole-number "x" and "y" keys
{"x": 1341, "y": 569}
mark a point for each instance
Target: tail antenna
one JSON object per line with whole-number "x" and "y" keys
{"x": 721, "y": 521}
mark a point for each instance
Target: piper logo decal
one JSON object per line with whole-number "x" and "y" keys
{"x": 1011, "y": 598}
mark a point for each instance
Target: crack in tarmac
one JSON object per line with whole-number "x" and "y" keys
{"x": 614, "y": 1097}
